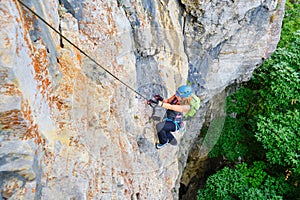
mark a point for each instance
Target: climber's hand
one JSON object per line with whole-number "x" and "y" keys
{"x": 150, "y": 102}
{"x": 158, "y": 97}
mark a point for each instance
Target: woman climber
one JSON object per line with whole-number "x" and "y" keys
{"x": 181, "y": 105}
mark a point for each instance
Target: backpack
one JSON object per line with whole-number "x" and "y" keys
{"x": 195, "y": 105}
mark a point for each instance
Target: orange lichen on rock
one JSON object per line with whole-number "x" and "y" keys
{"x": 13, "y": 120}
{"x": 40, "y": 63}
{"x": 10, "y": 89}
{"x": 32, "y": 130}
{"x": 66, "y": 67}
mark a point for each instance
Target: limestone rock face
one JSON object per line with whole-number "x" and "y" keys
{"x": 72, "y": 127}
{"x": 231, "y": 37}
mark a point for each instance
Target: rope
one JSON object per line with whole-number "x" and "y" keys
{"x": 80, "y": 50}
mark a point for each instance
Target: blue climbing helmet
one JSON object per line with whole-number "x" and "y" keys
{"x": 184, "y": 91}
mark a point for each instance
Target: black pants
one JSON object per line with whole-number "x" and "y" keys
{"x": 164, "y": 131}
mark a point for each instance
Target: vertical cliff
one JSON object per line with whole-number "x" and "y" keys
{"x": 70, "y": 130}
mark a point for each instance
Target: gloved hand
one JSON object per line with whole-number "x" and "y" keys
{"x": 158, "y": 97}
{"x": 150, "y": 101}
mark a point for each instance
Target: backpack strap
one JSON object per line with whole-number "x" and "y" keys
{"x": 176, "y": 123}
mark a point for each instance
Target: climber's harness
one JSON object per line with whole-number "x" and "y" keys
{"x": 175, "y": 117}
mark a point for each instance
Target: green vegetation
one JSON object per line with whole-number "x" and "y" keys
{"x": 263, "y": 127}
{"x": 244, "y": 182}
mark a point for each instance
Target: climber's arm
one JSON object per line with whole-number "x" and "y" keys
{"x": 178, "y": 108}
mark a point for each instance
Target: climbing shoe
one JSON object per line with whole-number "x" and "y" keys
{"x": 159, "y": 146}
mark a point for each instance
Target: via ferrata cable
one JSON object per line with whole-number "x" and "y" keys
{"x": 80, "y": 50}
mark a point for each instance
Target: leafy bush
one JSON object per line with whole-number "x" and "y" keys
{"x": 280, "y": 136}
{"x": 244, "y": 183}
{"x": 291, "y": 23}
